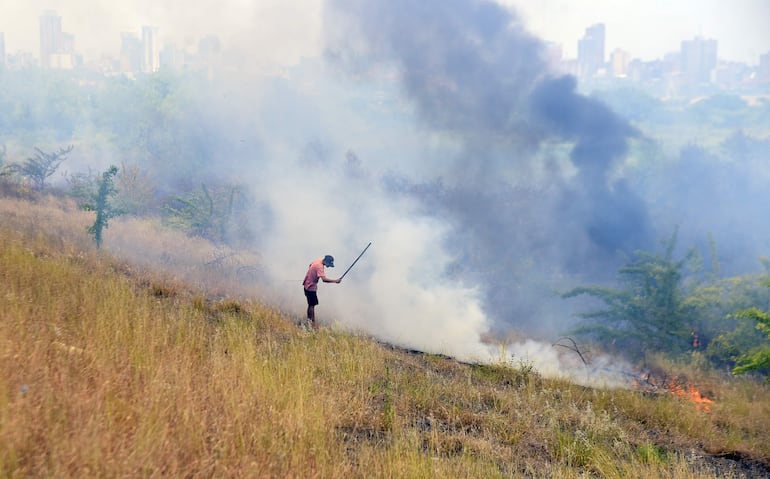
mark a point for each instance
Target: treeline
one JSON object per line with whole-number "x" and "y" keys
{"x": 154, "y": 131}
{"x": 221, "y": 213}
{"x": 159, "y": 122}
{"x": 722, "y": 110}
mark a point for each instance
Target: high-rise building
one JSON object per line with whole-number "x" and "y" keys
{"x": 172, "y": 57}
{"x": 699, "y": 59}
{"x": 619, "y": 60}
{"x": 672, "y": 63}
{"x": 50, "y": 30}
{"x": 591, "y": 51}
{"x": 150, "y": 49}
{"x": 130, "y": 52}
{"x": 64, "y": 56}
{"x": 57, "y": 49}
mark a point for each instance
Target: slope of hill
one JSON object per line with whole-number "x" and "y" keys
{"x": 112, "y": 369}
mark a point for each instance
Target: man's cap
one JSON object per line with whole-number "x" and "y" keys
{"x": 329, "y": 261}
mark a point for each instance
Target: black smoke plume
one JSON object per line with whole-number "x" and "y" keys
{"x": 523, "y": 214}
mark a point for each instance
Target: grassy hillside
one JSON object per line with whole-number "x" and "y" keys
{"x": 110, "y": 369}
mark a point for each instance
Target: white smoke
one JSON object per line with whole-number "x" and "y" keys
{"x": 398, "y": 291}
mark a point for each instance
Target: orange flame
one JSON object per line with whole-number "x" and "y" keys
{"x": 679, "y": 387}
{"x": 690, "y": 393}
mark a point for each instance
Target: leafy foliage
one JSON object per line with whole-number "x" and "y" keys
{"x": 662, "y": 309}
{"x": 41, "y": 166}
{"x": 724, "y": 340}
{"x": 632, "y": 103}
{"x": 101, "y": 205}
{"x": 135, "y": 190}
{"x": 44, "y": 104}
{"x": 83, "y": 186}
{"x": 649, "y": 314}
{"x": 159, "y": 124}
{"x": 757, "y": 359}
{"x": 217, "y": 214}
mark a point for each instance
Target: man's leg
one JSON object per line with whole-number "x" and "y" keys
{"x": 312, "y": 301}
{"x": 311, "y": 317}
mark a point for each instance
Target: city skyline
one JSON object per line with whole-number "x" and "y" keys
{"x": 284, "y": 32}
{"x": 651, "y": 29}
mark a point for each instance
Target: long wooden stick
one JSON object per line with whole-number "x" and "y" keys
{"x": 354, "y": 262}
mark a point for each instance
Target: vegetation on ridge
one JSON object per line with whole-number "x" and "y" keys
{"x": 108, "y": 374}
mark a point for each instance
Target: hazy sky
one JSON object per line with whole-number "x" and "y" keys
{"x": 285, "y": 30}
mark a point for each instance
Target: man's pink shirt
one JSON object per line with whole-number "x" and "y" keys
{"x": 314, "y": 273}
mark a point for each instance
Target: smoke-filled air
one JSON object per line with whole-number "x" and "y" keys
{"x": 486, "y": 181}
{"x": 477, "y": 222}
{"x": 489, "y": 181}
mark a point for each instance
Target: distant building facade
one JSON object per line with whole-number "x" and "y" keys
{"x": 591, "y": 51}
{"x": 150, "y": 49}
{"x": 130, "y": 52}
{"x": 619, "y": 60}
{"x": 64, "y": 57}
{"x": 172, "y": 57}
{"x": 57, "y": 49}
{"x": 50, "y": 29}
{"x": 2, "y": 50}
{"x": 699, "y": 60}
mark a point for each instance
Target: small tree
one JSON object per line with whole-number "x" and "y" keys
{"x": 649, "y": 314}
{"x": 758, "y": 359}
{"x": 83, "y": 186}
{"x": 41, "y": 166}
{"x": 216, "y": 214}
{"x": 101, "y": 205}
{"x": 195, "y": 213}
{"x": 135, "y": 190}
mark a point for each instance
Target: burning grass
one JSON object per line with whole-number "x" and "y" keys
{"x": 104, "y": 373}
{"x": 677, "y": 386}
{"x": 689, "y": 392}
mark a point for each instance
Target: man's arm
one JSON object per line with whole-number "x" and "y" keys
{"x": 329, "y": 280}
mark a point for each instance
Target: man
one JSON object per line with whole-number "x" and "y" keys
{"x": 314, "y": 273}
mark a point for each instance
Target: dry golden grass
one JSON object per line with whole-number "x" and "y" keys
{"x": 148, "y": 244}
{"x": 109, "y": 374}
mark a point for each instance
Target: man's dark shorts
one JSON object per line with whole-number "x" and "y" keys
{"x": 312, "y": 298}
